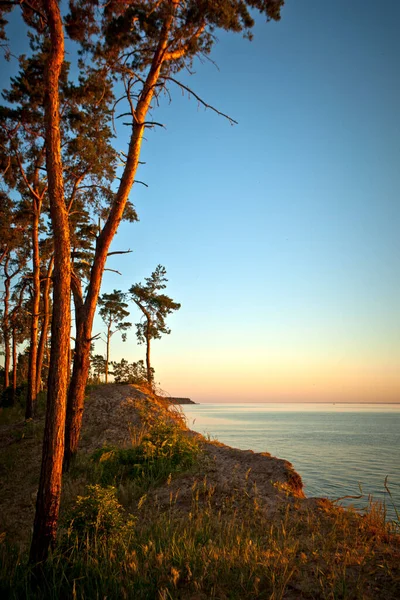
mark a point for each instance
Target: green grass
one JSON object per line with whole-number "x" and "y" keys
{"x": 160, "y": 451}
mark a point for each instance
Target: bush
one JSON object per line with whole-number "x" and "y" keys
{"x": 98, "y": 514}
{"x": 163, "y": 450}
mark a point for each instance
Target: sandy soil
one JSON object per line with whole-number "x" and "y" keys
{"x": 112, "y": 417}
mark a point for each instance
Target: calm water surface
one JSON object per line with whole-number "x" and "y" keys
{"x": 334, "y": 447}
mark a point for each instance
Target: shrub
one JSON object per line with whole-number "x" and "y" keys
{"x": 164, "y": 449}
{"x": 125, "y": 372}
{"x": 96, "y": 514}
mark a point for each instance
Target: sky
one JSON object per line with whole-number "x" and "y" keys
{"x": 280, "y": 234}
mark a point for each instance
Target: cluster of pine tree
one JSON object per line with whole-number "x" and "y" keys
{"x": 154, "y": 307}
{"x": 64, "y": 191}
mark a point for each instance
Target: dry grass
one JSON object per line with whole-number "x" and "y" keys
{"x": 234, "y": 526}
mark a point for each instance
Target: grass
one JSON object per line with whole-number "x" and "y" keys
{"x": 233, "y": 552}
{"x": 120, "y": 538}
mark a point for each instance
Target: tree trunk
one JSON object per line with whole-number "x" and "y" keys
{"x": 14, "y": 364}
{"x": 76, "y": 394}
{"x": 33, "y": 349}
{"x": 6, "y": 359}
{"x": 49, "y": 493}
{"x": 108, "y": 350}
{"x": 45, "y": 326}
{"x": 148, "y": 366}
{"x": 6, "y": 325}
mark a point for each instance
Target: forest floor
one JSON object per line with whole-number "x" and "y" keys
{"x": 238, "y": 519}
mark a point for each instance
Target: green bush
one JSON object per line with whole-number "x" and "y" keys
{"x": 98, "y": 514}
{"x": 163, "y": 450}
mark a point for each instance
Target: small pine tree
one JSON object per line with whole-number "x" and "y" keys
{"x": 113, "y": 312}
{"x": 155, "y": 308}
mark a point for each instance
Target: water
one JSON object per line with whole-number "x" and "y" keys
{"x": 336, "y": 448}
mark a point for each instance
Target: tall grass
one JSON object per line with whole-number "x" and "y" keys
{"x": 118, "y": 541}
{"x": 236, "y": 551}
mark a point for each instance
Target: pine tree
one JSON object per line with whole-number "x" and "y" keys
{"x": 155, "y": 307}
{"x": 145, "y": 44}
{"x": 113, "y": 312}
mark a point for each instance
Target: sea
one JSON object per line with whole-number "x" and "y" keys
{"x": 340, "y": 450}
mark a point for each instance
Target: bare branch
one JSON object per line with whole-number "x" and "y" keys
{"x": 74, "y": 191}
{"x": 113, "y": 271}
{"x": 141, "y": 183}
{"x": 127, "y": 114}
{"x": 113, "y": 111}
{"x": 37, "y": 197}
{"x": 201, "y": 101}
{"x": 140, "y": 162}
{"x": 153, "y": 124}
{"x": 119, "y": 252}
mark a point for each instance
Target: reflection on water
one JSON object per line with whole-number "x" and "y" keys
{"x": 336, "y": 448}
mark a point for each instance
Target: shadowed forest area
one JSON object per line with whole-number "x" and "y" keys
{"x": 148, "y": 509}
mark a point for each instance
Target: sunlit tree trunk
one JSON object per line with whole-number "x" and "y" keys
{"x": 80, "y": 373}
{"x": 45, "y": 325}
{"x": 49, "y": 492}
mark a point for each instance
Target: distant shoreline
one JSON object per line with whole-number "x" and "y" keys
{"x": 290, "y": 402}
{"x": 181, "y": 401}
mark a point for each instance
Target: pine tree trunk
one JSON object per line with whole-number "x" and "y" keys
{"x": 76, "y": 394}
{"x": 85, "y": 313}
{"x": 14, "y": 364}
{"x": 49, "y": 493}
{"x": 108, "y": 350}
{"x": 6, "y": 325}
{"x": 6, "y": 359}
{"x": 148, "y": 366}
{"x": 33, "y": 349}
{"x": 45, "y": 326}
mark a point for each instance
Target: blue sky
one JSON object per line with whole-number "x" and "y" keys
{"x": 280, "y": 235}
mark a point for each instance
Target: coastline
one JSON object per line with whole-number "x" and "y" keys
{"x": 334, "y": 451}
{"x": 233, "y": 524}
